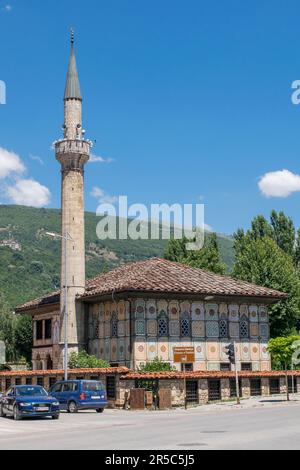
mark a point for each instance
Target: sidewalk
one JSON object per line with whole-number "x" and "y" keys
{"x": 252, "y": 402}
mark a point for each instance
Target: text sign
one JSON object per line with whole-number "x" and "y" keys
{"x": 184, "y": 354}
{"x": 2, "y": 352}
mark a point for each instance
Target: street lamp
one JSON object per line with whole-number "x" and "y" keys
{"x": 66, "y": 237}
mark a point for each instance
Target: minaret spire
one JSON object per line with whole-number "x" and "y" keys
{"x": 72, "y": 89}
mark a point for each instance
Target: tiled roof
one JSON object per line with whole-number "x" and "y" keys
{"x": 48, "y": 299}
{"x": 72, "y": 372}
{"x": 172, "y": 375}
{"x": 128, "y": 374}
{"x": 161, "y": 276}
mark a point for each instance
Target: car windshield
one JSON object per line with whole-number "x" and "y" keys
{"x": 30, "y": 391}
{"x": 92, "y": 386}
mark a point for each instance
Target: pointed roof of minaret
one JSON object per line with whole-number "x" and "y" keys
{"x": 72, "y": 89}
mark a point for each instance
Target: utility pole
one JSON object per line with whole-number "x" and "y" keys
{"x": 236, "y": 378}
{"x": 231, "y": 353}
{"x": 66, "y": 237}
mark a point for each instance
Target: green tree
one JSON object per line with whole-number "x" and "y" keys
{"x": 23, "y": 337}
{"x": 157, "y": 365}
{"x": 283, "y": 231}
{"x": 7, "y": 329}
{"x": 297, "y": 249}
{"x": 262, "y": 262}
{"x": 83, "y": 360}
{"x": 176, "y": 250}
{"x": 207, "y": 258}
{"x": 282, "y": 350}
{"x": 260, "y": 228}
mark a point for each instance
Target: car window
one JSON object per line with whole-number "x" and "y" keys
{"x": 30, "y": 391}
{"x": 92, "y": 386}
{"x": 67, "y": 387}
{"x": 56, "y": 388}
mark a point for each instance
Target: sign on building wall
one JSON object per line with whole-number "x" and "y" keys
{"x": 2, "y": 353}
{"x": 183, "y": 354}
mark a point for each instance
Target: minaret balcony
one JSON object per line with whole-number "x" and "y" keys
{"x": 72, "y": 154}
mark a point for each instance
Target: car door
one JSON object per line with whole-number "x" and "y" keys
{"x": 66, "y": 393}
{"x": 10, "y": 400}
{"x": 56, "y": 392}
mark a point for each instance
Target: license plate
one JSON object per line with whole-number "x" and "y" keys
{"x": 42, "y": 408}
{"x": 96, "y": 397}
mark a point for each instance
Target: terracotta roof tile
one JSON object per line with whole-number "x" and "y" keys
{"x": 72, "y": 372}
{"x": 159, "y": 275}
{"x": 172, "y": 375}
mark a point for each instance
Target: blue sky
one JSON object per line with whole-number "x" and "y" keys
{"x": 188, "y": 101}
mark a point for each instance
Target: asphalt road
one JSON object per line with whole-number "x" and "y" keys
{"x": 275, "y": 426}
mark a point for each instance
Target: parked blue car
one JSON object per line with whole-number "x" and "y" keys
{"x": 24, "y": 401}
{"x": 74, "y": 395}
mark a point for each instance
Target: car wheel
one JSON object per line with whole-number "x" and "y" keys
{"x": 72, "y": 407}
{"x": 2, "y": 414}
{"x": 55, "y": 416}
{"x": 17, "y": 416}
{"x": 100, "y": 410}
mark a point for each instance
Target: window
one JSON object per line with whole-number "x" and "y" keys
{"x": 246, "y": 366}
{"x": 39, "y": 329}
{"x": 225, "y": 366}
{"x": 7, "y": 383}
{"x": 28, "y": 381}
{"x": 232, "y": 384}
{"x": 162, "y": 324}
{"x": 188, "y": 367}
{"x": 52, "y": 381}
{"x": 94, "y": 386}
{"x": 48, "y": 328}
{"x": 244, "y": 329}
{"x": 40, "y": 381}
{"x": 185, "y": 329}
{"x": 140, "y": 327}
{"x": 18, "y": 381}
{"x": 255, "y": 387}
{"x": 111, "y": 386}
{"x": 212, "y": 329}
{"x": 223, "y": 329}
{"x": 57, "y": 388}
{"x": 114, "y": 326}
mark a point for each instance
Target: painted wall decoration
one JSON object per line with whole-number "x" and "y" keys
{"x": 207, "y": 326}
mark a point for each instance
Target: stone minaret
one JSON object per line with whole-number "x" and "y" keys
{"x": 72, "y": 152}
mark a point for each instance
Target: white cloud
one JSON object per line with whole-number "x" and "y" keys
{"x": 28, "y": 192}
{"x": 102, "y": 196}
{"x": 7, "y": 8}
{"x": 280, "y": 183}
{"x": 37, "y": 159}
{"x": 208, "y": 228}
{"x": 10, "y": 163}
{"x": 98, "y": 159}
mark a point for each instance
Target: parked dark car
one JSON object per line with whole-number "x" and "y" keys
{"x": 24, "y": 401}
{"x": 74, "y": 395}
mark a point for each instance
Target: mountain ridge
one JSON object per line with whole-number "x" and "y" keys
{"x": 30, "y": 260}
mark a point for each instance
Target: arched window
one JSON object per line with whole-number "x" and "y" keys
{"x": 162, "y": 324}
{"x": 244, "y": 328}
{"x": 223, "y": 329}
{"x": 114, "y": 325}
{"x": 185, "y": 325}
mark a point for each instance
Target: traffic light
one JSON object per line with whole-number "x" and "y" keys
{"x": 230, "y": 353}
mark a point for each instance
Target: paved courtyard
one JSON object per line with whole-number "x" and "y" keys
{"x": 262, "y": 423}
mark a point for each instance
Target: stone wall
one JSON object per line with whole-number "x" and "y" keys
{"x": 123, "y": 385}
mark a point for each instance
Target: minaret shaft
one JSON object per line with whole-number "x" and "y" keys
{"x": 72, "y": 152}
